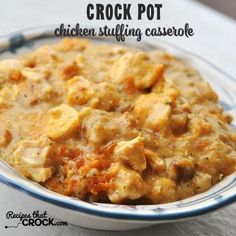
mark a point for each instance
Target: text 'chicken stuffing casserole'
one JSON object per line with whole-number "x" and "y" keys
{"x": 108, "y": 123}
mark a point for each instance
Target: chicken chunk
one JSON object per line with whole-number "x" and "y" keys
{"x": 80, "y": 90}
{"x": 128, "y": 186}
{"x": 34, "y": 158}
{"x": 35, "y": 90}
{"x": 63, "y": 121}
{"x": 201, "y": 182}
{"x": 153, "y": 111}
{"x": 132, "y": 152}
{"x": 99, "y": 126}
{"x": 137, "y": 67}
{"x": 100, "y": 96}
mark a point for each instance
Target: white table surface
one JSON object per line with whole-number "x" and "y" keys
{"x": 215, "y": 39}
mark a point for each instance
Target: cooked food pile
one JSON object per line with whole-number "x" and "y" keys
{"x": 108, "y": 123}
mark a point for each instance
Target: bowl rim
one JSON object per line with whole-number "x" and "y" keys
{"x": 16, "y": 40}
{"x": 132, "y": 216}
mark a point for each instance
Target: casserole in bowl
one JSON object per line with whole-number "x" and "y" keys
{"x": 183, "y": 169}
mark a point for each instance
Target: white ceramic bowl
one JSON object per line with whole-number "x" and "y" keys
{"x": 122, "y": 217}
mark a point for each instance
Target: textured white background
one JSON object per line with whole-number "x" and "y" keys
{"x": 215, "y": 39}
